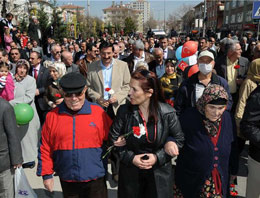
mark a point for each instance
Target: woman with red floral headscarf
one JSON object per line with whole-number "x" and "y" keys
{"x": 203, "y": 166}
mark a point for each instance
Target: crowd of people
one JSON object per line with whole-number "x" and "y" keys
{"x": 129, "y": 97}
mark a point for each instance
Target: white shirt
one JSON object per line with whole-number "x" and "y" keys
{"x": 136, "y": 60}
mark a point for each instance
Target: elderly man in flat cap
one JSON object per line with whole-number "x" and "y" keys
{"x": 71, "y": 143}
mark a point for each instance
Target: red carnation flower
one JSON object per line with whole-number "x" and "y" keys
{"x": 237, "y": 66}
{"x": 136, "y": 130}
{"x": 57, "y": 95}
{"x": 107, "y": 89}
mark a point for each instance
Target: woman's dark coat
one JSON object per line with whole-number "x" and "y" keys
{"x": 199, "y": 156}
{"x": 168, "y": 125}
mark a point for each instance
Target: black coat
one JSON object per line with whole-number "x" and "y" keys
{"x": 221, "y": 67}
{"x": 10, "y": 145}
{"x": 186, "y": 96}
{"x": 250, "y": 125}
{"x": 199, "y": 156}
{"x": 43, "y": 80}
{"x": 167, "y": 126}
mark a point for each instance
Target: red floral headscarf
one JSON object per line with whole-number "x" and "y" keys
{"x": 211, "y": 92}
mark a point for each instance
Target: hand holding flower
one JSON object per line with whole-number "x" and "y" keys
{"x": 112, "y": 100}
{"x": 120, "y": 141}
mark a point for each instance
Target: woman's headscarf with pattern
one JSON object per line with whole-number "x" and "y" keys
{"x": 211, "y": 92}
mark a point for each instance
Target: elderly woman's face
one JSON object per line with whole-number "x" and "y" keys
{"x": 214, "y": 112}
{"x": 137, "y": 94}
{"x": 54, "y": 73}
{"x": 21, "y": 71}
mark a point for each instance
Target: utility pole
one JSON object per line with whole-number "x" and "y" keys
{"x": 88, "y": 8}
{"x": 164, "y": 17}
{"x": 204, "y": 18}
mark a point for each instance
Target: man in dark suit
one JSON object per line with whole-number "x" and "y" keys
{"x": 34, "y": 30}
{"x": 167, "y": 53}
{"x": 67, "y": 59}
{"x": 117, "y": 54}
{"x": 42, "y": 77}
{"x": 81, "y": 53}
{"x": 138, "y": 55}
{"x": 233, "y": 67}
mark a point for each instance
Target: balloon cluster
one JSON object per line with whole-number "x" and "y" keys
{"x": 185, "y": 52}
{"x": 23, "y": 113}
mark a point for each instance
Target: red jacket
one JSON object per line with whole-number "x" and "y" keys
{"x": 71, "y": 145}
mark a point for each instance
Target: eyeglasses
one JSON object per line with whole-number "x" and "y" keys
{"x": 14, "y": 53}
{"x": 58, "y": 52}
{"x": 77, "y": 94}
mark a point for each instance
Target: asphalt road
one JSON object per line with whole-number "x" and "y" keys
{"x": 37, "y": 185}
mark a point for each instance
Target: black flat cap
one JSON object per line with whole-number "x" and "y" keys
{"x": 72, "y": 82}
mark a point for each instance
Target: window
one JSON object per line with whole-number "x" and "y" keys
{"x": 233, "y": 18}
{"x": 240, "y": 17}
{"x": 240, "y": 3}
{"x": 234, "y": 3}
{"x": 227, "y": 5}
{"x": 249, "y": 16}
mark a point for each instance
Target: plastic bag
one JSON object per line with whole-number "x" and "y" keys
{"x": 22, "y": 186}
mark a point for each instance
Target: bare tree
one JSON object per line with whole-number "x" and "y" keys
{"x": 151, "y": 23}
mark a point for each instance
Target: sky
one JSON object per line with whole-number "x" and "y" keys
{"x": 157, "y": 6}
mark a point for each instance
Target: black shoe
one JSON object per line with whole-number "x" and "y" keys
{"x": 115, "y": 178}
{"x": 29, "y": 165}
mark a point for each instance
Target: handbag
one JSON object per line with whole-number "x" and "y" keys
{"x": 22, "y": 186}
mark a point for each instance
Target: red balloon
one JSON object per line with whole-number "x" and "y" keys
{"x": 189, "y": 48}
{"x": 193, "y": 70}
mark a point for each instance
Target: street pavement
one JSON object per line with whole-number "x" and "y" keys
{"x": 37, "y": 184}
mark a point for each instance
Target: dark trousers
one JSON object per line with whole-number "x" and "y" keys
{"x": 147, "y": 188}
{"x": 92, "y": 189}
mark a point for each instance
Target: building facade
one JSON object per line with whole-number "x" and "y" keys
{"x": 215, "y": 12}
{"x": 238, "y": 17}
{"x": 144, "y": 7}
{"x": 115, "y": 15}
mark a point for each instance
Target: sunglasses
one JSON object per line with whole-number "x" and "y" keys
{"x": 77, "y": 94}
{"x": 58, "y": 52}
{"x": 145, "y": 73}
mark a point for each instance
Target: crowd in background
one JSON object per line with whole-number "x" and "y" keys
{"x": 221, "y": 77}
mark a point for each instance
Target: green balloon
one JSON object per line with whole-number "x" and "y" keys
{"x": 24, "y": 113}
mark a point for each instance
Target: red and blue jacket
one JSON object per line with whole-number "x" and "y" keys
{"x": 71, "y": 144}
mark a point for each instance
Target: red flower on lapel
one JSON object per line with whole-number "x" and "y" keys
{"x": 237, "y": 66}
{"x": 136, "y": 130}
{"x": 57, "y": 95}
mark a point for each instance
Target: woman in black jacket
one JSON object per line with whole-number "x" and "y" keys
{"x": 145, "y": 169}
{"x": 250, "y": 128}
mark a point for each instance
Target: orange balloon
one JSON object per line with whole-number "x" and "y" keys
{"x": 193, "y": 70}
{"x": 189, "y": 48}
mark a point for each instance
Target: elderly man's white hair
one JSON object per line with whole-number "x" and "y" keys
{"x": 54, "y": 46}
{"x": 142, "y": 64}
{"x": 139, "y": 44}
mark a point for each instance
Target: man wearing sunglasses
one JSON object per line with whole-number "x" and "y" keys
{"x": 71, "y": 143}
